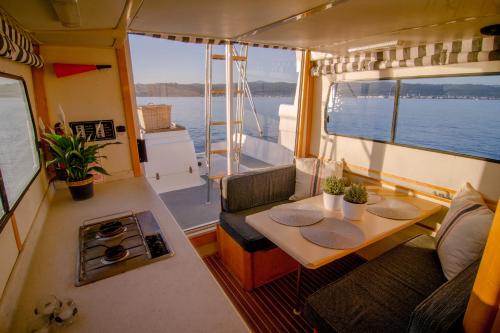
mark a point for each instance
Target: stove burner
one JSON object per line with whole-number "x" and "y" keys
{"x": 114, "y": 254}
{"x": 111, "y": 229}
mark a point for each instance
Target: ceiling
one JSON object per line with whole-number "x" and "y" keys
{"x": 100, "y": 21}
{"x": 320, "y": 25}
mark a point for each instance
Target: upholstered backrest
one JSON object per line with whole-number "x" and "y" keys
{"x": 256, "y": 188}
{"x": 443, "y": 310}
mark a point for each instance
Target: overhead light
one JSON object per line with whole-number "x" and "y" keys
{"x": 378, "y": 46}
{"x": 68, "y": 12}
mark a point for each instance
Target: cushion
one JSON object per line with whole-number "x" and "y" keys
{"x": 257, "y": 188}
{"x": 444, "y": 309}
{"x": 462, "y": 236}
{"x": 310, "y": 175}
{"x": 380, "y": 295}
{"x": 246, "y": 236}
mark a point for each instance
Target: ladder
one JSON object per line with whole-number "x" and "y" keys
{"x": 234, "y": 121}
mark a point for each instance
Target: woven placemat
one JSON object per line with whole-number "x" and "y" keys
{"x": 373, "y": 198}
{"x": 296, "y": 215}
{"x": 395, "y": 209}
{"x": 334, "y": 234}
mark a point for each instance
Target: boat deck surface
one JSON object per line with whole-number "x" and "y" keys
{"x": 269, "y": 308}
{"x": 189, "y": 206}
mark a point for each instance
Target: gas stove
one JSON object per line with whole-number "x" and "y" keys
{"x": 117, "y": 243}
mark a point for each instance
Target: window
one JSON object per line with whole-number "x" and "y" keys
{"x": 362, "y": 109}
{"x": 459, "y": 115}
{"x": 19, "y": 160}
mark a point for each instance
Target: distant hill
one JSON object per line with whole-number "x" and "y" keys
{"x": 258, "y": 88}
{"x": 414, "y": 90}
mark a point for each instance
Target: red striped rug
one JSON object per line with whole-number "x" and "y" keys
{"x": 269, "y": 308}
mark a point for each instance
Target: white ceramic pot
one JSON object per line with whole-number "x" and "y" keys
{"x": 332, "y": 201}
{"x": 353, "y": 211}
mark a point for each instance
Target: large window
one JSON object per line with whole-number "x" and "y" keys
{"x": 362, "y": 109}
{"x": 19, "y": 160}
{"x": 459, "y": 115}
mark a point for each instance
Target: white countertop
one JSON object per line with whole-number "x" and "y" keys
{"x": 178, "y": 294}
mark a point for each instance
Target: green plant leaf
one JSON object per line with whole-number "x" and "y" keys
{"x": 100, "y": 170}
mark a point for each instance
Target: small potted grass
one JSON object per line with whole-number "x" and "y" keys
{"x": 354, "y": 205}
{"x": 333, "y": 191}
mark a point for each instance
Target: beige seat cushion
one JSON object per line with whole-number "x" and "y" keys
{"x": 310, "y": 175}
{"x": 463, "y": 233}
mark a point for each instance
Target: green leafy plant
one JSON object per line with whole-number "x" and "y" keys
{"x": 73, "y": 154}
{"x": 356, "y": 194}
{"x": 334, "y": 185}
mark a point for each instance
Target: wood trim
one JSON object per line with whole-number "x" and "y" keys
{"x": 41, "y": 104}
{"x": 127, "y": 98}
{"x": 485, "y": 297}
{"x": 404, "y": 179}
{"x": 15, "y": 229}
{"x": 309, "y": 107}
{"x": 490, "y": 202}
{"x": 305, "y": 112}
{"x": 399, "y": 187}
{"x": 204, "y": 239}
{"x": 380, "y": 174}
{"x": 253, "y": 269}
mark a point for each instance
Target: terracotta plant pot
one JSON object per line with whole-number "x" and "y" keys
{"x": 353, "y": 211}
{"x": 332, "y": 201}
{"x": 82, "y": 189}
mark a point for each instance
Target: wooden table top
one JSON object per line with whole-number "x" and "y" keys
{"x": 313, "y": 256}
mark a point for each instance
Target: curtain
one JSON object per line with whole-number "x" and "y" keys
{"x": 15, "y": 43}
{"x": 453, "y": 52}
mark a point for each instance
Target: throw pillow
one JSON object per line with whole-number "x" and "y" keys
{"x": 463, "y": 232}
{"x": 310, "y": 176}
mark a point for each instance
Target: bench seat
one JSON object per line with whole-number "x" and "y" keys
{"x": 384, "y": 294}
{"x": 248, "y": 238}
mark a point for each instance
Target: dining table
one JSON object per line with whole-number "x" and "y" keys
{"x": 370, "y": 229}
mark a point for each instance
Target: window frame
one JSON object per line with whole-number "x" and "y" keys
{"x": 9, "y": 209}
{"x": 395, "y": 112}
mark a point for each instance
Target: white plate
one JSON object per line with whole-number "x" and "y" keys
{"x": 334, "y": 234}
{"x": 296, "y": 215}
{"x": 395, "y": 209}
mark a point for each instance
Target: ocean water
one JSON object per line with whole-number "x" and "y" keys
{"x": 465, "y": 126}
{"x": 18, "y": 153}
{"x": 189, "y": 112}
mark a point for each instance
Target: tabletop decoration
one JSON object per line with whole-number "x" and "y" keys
{"x": 296, "y": 215}
{"x": 395, "y": 209}
{"x": 373, "y": 198}
{"x": 334, "y": 233}
{"x": 354, "y": 205}
{"x": 333, "y": 192}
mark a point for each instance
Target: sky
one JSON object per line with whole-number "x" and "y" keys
{"x": 159, "y": 60}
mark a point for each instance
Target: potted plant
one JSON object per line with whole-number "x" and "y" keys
{"x": 78, "y": 158}
{"x": 355, "y": 198}
{"x": 333, "y": 190}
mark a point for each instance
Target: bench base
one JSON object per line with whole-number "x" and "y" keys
{"x": 253, "y": 269}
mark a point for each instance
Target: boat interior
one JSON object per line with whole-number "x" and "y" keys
{"x": 352, "y": 187}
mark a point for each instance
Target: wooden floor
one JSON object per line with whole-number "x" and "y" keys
{"x": 269, "y": 308}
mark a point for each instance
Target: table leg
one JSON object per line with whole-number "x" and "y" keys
{"x": 297, "y": 309}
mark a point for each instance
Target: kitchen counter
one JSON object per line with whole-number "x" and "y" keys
{"x": 178, "y": 294}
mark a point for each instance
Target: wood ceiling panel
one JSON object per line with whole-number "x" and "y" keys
{"x": 38, "y": 15}
{"x": 215, "y": 18}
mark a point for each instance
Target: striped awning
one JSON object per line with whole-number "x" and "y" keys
{"x": 207, "y": 40}
{"x": 15, "y": 42}
{"x": 454, "y": 52}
